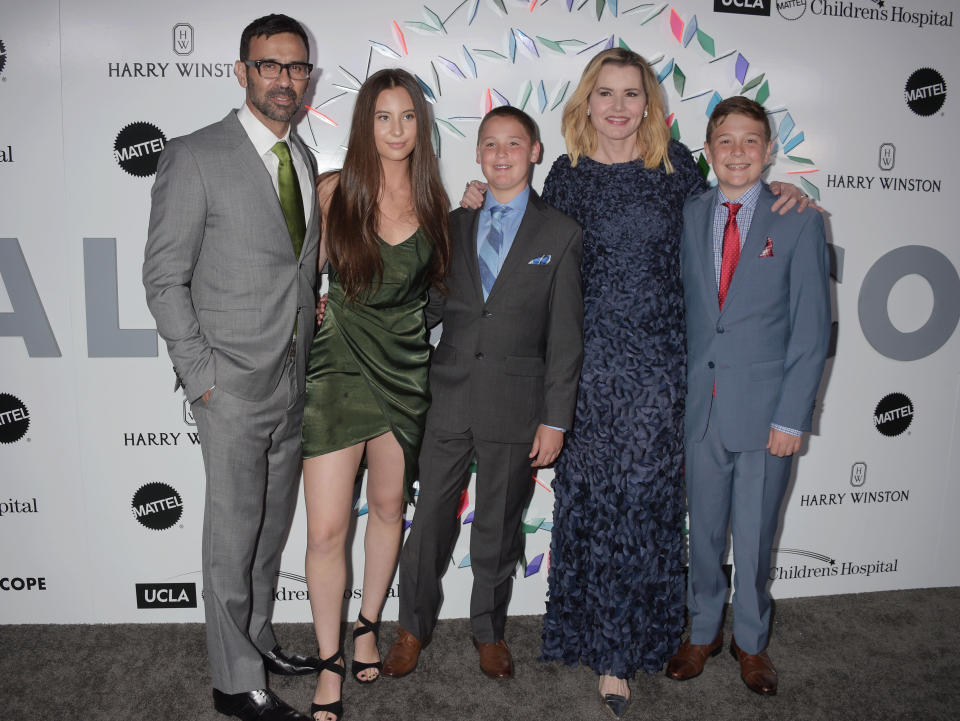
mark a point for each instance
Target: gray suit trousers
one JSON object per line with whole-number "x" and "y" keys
{"x": 503, "y": 488}
{"x": 251, "y": 454}
{"x": 749, "y": 486}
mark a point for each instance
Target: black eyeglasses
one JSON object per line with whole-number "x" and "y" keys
{"x": 271, "y": 69}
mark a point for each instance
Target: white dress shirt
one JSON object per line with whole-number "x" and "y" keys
{"x": 263, "y": 139}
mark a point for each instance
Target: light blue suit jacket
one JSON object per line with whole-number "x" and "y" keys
{"x": 766, "y": 349}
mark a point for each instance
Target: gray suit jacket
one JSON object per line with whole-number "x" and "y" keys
{"x": 766, "y": 349}
{"x": 221, "y": 276}
{"x": 504, "y": 366}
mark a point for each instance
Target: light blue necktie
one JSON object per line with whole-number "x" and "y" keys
{"x": 489, "y": 253}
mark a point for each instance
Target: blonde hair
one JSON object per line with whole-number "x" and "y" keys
{"x": 653, "y": 136}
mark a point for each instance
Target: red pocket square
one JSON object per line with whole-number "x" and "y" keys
{"x": 767, "y": 251}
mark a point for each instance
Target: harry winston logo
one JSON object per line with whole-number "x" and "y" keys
{"x": 183, "y": 38}
{"x": 858, "y": 474}
{"x": 188, "y": 414}
{"x": 888, "y": 155}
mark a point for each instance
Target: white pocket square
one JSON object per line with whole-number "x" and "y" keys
{"x": 540, "y": 260}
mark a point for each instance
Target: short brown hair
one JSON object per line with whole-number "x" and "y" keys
{"x": 739, "y": 105}
{"x": 508, "y": 111}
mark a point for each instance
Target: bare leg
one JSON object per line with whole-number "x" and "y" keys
{"x": 381, "y": 543}
{"x": 328, "y": 491}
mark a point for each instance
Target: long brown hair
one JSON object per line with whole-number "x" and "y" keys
{"x": 351, "y": 232}
{"x": 653, "y": 135}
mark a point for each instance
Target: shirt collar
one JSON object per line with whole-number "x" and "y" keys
{"x": 747, "y": 200}
{"x": 260, "y": 135}
{"x": 519, "y": 202}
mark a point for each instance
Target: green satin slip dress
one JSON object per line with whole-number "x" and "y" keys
{"x": 367, "y": 372}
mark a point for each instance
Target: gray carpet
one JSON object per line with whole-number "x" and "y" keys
{"x": 874, "y": 657}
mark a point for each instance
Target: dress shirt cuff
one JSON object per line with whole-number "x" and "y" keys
{"x": 562, "y": 430}
{"x": 784, "y": 429}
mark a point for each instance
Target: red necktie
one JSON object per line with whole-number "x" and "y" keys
{"x": 731, "y": 250}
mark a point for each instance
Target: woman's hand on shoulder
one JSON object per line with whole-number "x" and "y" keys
{"x": 790, "y": 195}
{"x": 473, "y": 195}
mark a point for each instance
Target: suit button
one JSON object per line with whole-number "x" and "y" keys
{"x": 719, "y": 329}
{"x": 710, "y": 364}
{"x": 486, "y": 314}
{"x": 478, "y": 356}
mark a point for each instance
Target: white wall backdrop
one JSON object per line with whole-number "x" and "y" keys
{"x": 101, "y": 488}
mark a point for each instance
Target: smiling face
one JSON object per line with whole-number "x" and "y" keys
{"x": 617, "y": 101}
{"x": 505, "y": 151}
{"x": 276, "y": 101}
{"x": 394, "y": 125}
{"x": 738, "y": 149}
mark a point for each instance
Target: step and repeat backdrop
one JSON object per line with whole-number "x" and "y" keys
{"x": 101, "y": 488}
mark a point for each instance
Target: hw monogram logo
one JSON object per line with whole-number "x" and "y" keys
{"x": 183, "y": 38}
{"x": 858, "y": 474}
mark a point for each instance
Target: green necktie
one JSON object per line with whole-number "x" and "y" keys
{"x": 290, "y": 199}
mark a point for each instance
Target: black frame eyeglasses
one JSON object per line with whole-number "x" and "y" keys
{"x": 271, "y": 69}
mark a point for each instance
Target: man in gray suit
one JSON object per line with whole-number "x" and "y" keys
{"x": 504, "y": 383}
{"x": 758, "y": 324}
{"x": 230, "y": 272}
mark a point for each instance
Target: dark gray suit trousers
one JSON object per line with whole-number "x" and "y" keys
{"x": 503, "y": 489}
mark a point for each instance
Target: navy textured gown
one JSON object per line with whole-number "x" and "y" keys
{"x": 616, "y": 577}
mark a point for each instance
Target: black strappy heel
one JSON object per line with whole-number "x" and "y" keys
{"x": 335, "y": 707}
{"x": 357, "y": 667}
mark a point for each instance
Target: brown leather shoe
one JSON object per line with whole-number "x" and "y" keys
{"x": 756, "y": 670}
{"x": 403, "y": 655}
{"x": 690, "y": 658}
{"x": 495, "y": 659}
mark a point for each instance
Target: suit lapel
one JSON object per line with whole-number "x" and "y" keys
{"x": 753, "y": 245}
{"x": 526, "y": 232}
{"x": 468, "y": 231}
{"x": 252, "y": 168}
{"x": 703, "y": 237}
{"x": 311, "y": 233}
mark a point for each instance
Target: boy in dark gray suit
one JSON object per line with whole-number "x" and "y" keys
{"x": 504, "y": 381}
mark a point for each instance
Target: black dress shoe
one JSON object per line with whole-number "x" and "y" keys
{"x": 289, "y": 664}
{"x": 260, "y": 705}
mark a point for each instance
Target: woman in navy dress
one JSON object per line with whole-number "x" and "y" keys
{"x": 616, "y": 577}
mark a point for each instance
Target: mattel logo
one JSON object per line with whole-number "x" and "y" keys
{"x": 743, "y": 7}
{"x": 166, "y": 595}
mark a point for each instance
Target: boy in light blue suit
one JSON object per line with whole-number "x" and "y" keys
{"x": 758, "y": 325}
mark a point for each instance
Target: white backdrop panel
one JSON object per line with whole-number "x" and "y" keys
{"x": 867, "y": 511}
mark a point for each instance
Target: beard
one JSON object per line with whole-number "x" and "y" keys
{"x": 281, "y": 113}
